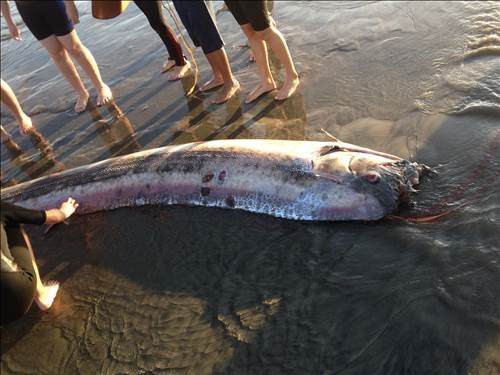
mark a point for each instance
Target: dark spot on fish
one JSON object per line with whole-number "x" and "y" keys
{"x": 205, "y": 191}
{"x": 148, "y": 186}
{"x": 222, "y": 177}
{"x": 207, "y": 178}
{"x": 230, "y": 202}
{"x": 324, "y": 197}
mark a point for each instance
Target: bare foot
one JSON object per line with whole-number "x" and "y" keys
{"x": 260, "y": 90}
{"x": 104, "y": 95}
{"x": 25, "y": 123}
{"x": 212, "y": 84}
{"x": 287, "y": 89}
{"x": 227, "y": 92}
{"x": 45, "y": 297}
{"x": 167, "y": 65}
{"x": 81, "y": 102}
{"x": 179, "y": 71}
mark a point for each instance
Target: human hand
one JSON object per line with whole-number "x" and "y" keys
{"x": 72, "y": 12}
{"x": 68, "y": 207}
{"x": 14, "y": 31}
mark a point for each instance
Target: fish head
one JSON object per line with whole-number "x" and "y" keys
{"x": 376, "y": 181}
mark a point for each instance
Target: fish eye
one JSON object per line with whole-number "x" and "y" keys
{"x": 372, "y": 177}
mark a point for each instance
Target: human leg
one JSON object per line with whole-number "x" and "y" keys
{"x": 252, "y": 16}
{"x": 176, "y": 61}
{"x": 72, "y": 44}
{"x": 45, "y": 293}
{"x": 46, "y": 20}
{"x": 257, "y": 14}
{"x": 204, "y": 29}
{"x": 152, "y": 11}
{"x": 18, "y": 281}
{"x": 68, "y": 69}
{"x": 259, "y": 49}
{"x": 17, "y": 294}
{"x": 220, "y": 66}
{"x": 275, "y": 40}
{"x": 10, "y": 100}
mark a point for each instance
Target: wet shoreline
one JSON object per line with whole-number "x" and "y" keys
{"x": 207, "y": 291}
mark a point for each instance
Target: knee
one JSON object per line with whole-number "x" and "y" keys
{"x": 18, "y": 291}
{"x": 266, "y": 34}
{"x": 249, "y": 31}
{"x": 58, "y": 54}
{"x": 75, "y": 50}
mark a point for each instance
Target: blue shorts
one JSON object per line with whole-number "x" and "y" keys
{"x": 45, "y": 18}
{"x": 199, "y": 21}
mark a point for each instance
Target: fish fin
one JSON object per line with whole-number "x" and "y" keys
{"x": 329, "y": 135}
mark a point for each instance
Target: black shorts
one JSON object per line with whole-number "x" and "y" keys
{"x": 254, "y": 13}
{"x": 199, "y": 21}
{"x": 45, "y": 18}
{"x": 17, "y": 288}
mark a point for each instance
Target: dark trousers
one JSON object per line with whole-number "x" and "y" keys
{"x": 152, "y": 10}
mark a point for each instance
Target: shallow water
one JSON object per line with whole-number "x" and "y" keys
{"x": 199, "y": 291}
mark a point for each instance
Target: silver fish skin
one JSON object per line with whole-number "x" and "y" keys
{"x": 301, "y": 180}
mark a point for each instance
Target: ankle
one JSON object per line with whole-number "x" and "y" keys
{"x": 266, "y": 82}
{"x": 102, "y": 86}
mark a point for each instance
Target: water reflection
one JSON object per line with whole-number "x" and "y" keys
{"x": 116, "y": 131}
{"x": 263, "y": 118}
{"x": 24, "y": 162}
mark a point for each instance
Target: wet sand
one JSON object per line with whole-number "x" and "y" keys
{"x": 182, "y": 290}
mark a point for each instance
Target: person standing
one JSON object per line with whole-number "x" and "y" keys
{"x": 52, "y": 24}
{"x": 255, "y": 21}
{"x": 199, "y": 21}
{"x": 176, "y": 61}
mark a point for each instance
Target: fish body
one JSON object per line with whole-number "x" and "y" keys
{"x": 301, "y": 180}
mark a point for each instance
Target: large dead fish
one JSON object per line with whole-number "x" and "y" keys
{"x": 302, "y": 180}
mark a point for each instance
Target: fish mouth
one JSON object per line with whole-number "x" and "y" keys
{"x": 404, "y": 177}
{"x": 389, "y": 179}
{"x": 392, "y": 183}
